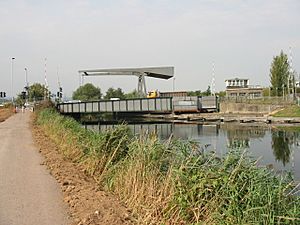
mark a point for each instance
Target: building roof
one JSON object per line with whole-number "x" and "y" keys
{"x": 237, "y": 79}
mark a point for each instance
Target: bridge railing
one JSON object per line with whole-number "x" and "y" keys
{"x": 163, "y": 104}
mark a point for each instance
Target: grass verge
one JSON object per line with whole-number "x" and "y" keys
{"x": 172, "y": 182}
{"x": 290, "y": 111}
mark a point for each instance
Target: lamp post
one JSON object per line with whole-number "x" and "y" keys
{"x": 26, "y": 78}
{"x": 26, "y": 85}
{"x": 173, "y": 84}
{"x": 12, "y": 79}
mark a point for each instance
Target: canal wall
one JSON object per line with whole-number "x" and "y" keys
{"x": 231, "y": 107}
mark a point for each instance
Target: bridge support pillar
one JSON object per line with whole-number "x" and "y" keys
{"x": 142, "y": 85}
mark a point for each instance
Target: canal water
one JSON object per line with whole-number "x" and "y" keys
{"x": 277, "y": 148}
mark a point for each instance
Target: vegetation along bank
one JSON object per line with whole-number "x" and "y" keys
{"x": 172, "y": 182}
{"x": 5, "y": 112}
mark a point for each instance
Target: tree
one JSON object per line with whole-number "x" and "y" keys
{"x": 221, "y": 93}
{"x": 266, "y": 92}
{"x": 279, "y": 74}
{"x": 34, "y": 92}
{"x": 87, "y": 92}
{"x": 37, "y": 91}
{"x": 207, "y": 92}
{"x": 194, "y": 93}
{"x": 114, "y": 93}
{"x": 133, "y": 94}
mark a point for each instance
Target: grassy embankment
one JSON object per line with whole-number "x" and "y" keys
{"x": 290, "y": 111}
{"x": 171, "y": 182}
{"x": 5, "y": 112}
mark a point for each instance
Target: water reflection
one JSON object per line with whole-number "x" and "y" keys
{"x": 239, "y": 136}
{"x": 280, "y": 148}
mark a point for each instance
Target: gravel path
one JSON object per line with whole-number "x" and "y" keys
{"x": 29, "y": 195}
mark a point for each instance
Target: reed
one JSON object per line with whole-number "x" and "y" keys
{"x": 172, "y": 181}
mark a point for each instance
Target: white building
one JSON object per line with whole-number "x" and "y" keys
{"x": 237, "y": 87}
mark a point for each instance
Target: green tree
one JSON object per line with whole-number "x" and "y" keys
{"x": 221, "y": 93}
{"x": 114, "y": 93}
{"x": 133, "y": 94}
{"x": 87, "y": 92}
{"x": 19, "y": 100}
{"x": 37, "y": 91}
{"x": 279, "y": 74}
{"x": 207, "y": 92}
{"x": 194, "y": 93}
{"x": 266, "y": 92}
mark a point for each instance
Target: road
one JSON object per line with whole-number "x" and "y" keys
{"x": 29, "y": 195}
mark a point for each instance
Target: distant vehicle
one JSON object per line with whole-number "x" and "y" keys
{"x": 153, "y": 94}
{"x": 156, "y": 94}
{"x": 73, "y": 101}
{"x": 114, "y": 99}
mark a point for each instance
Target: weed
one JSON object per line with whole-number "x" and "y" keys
{"x": 172, "y": 182}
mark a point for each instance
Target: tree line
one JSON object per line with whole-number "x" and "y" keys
{"x": 91, "y": 92}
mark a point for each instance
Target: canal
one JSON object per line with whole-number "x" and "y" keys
{"x": 276, "y": 147}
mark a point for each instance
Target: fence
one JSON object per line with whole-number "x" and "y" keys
{"x": 263, "y": 100}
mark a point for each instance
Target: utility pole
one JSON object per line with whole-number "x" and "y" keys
{"x": 173, "y": 84}
{"x": 292, "y": 74}
{"x": 213, "y": 82}
{"x": 59, "y": 93}
{"x": 26, "y": 85}
{"x": 46, "y": 82}
{"x": 12, "y": 79}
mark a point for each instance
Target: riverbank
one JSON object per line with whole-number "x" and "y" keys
{"x": 224, "y": 117}
{"x": 279, "y": 115}
{"x": 172, "y": 182}
{"x": 88, "y": 203}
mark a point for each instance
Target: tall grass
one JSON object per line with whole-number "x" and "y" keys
{"x": 172, "y": 182}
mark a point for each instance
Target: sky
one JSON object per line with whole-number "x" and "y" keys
{"x": 239, "y": 37}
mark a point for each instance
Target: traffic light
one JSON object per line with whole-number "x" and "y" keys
{"x": 23, "y": 94}
{"x": 2, "y": 94}
{"x": 59, "y": 93}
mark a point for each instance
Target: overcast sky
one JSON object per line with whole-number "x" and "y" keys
{"x": 239, "y": 37}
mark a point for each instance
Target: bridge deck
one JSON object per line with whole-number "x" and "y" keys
{"x": 142, "y": 105}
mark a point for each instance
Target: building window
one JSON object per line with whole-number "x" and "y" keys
{"x": 257, "y": 94}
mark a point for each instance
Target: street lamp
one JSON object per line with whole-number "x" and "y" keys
{"x": 26, "y": 78}
{"x": 26, "y": 85}
{"x": 12, "y": 79}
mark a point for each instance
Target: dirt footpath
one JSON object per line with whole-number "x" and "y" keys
{"x": 88, "y": 204}
{"x": 29, "y": 195}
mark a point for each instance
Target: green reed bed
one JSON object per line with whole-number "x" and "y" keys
{"x": 172, "y": 182}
